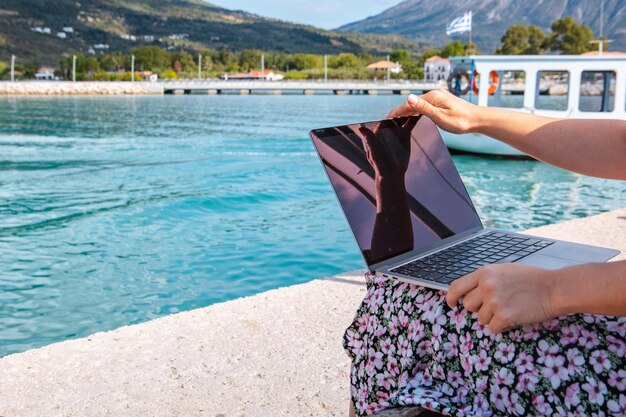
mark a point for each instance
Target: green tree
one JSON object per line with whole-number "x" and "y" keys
{"x": 91, "y": 65}
{"x": 400, "y": 55}
{"x": 569, "y": 37}
{"x": 112, "y": 62}
{"x": 207, "y": 62}
{"x": 536, "y": 40}
{"x": 151, "y": 58}
{"x": 344, "y": 60}
{"x": 182, "y": 61}
{"x": 227, "y": 59}
{"x": 455, "y": 48}
{"x": 514, "y": 41}
{"x": 250, "y": 59}
{"x": 83, "y": 66}
{"x": 522, "y": 40}
{"x": 305, "y": 61}
{"x": 28, "y": 70}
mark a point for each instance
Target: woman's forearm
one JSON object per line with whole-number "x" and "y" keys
{"x": 592, "y": 288}
{"x": 590, "y": 147}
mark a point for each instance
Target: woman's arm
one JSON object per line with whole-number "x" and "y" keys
{"x": 508, "y": 295}
{"x": 590, "y": 147}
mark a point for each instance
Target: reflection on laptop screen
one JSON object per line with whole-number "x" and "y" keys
{"x": 396, "y": 183}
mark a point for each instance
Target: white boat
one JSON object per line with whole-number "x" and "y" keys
{"x": 563, "y": 86}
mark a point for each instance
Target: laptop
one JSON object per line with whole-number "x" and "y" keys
{"x": 410, "y": 212}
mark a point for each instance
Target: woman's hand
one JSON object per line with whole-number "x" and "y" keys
{"x": 447, "y": 111}
{"x": 505, "y": 295}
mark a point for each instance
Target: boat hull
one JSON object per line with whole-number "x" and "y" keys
{"x": 480, "y": 144}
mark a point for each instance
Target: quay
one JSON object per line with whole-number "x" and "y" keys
{"x": 61, "y": 88}
{"x": 276, "y": 353}
{"x": 212, "y": 87}
{"x": 296, "y": 87}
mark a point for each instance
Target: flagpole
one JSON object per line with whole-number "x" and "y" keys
{"x": 469, "y": 45}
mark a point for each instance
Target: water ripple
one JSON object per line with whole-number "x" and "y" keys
{"x": 117, "y": 210}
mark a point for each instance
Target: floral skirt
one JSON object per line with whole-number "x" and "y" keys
{"x": 408, "y": 348}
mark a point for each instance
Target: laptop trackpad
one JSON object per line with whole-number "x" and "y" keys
{"x": 547, "y": 262}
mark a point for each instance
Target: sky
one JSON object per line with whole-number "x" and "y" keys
{"x": 327, "y": 14}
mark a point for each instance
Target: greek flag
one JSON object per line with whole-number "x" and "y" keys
{"x": 460, "y": 24}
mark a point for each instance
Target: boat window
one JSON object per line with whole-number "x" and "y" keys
{"x": 552, "y": 90}
{"x": 597, "y": 91}
{"x": 510, "y": 91}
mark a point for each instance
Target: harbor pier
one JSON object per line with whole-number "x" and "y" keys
{"x": 213, "y": 87}
{"x": 335, "y": 87}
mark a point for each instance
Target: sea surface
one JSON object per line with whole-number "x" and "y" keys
{"x": 117, "y": 210}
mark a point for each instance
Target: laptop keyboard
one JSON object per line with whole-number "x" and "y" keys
{"x": 454, "y": 262}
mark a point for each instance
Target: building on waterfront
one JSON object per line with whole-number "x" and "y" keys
{"x": 61, "y": 35}
{"x": 256, "y": 75}
{"x": 45, "y": 73}
{"x": 394, "y": 67}
{"x": 436, "y": 69}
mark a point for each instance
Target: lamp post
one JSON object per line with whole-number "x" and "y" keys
{"x": 199, "y": 67}
{"x": 12, "y": 68}
{"x": 325, "y": 68}
{"x": 262, "y": 66}
{"x": 132, "y": 68}
{"x": 73, "y": 68}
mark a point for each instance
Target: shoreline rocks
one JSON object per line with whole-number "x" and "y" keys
{"x": 56, "y": 88}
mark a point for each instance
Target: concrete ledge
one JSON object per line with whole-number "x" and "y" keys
{"x": 79, "y": 88}
{"x": 273, "y": 354}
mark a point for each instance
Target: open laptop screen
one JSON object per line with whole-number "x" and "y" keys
{"x": 396, "y": 183}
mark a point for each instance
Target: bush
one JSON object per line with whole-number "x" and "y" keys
{"x": 296, "y": 76}
{"x": 169, "y": 74}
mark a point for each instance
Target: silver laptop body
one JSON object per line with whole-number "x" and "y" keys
{"x": 410, "y": 211}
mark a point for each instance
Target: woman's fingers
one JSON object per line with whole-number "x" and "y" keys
{"x": 420, "y": 105}
{"x": 498, "y": 325}
{"x": 416, "y": 105}
{"x": 485, "y": 315}
{"x": 402, "y": 110}
{"x": 460, "y": 287}
{"x": 473, "y": 301}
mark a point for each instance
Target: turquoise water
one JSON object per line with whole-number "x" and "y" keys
{"x": 114, "y": 211}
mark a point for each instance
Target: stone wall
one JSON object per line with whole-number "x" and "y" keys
{"x": 78, "y": 88}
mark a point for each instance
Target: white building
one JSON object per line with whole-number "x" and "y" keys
{"x": 46, "y": 30}
{"x": 68, "y": 29}
{"x": 61, "y": 35}
{"x": 45, "y": 73}
{"x": 436, "y": 69}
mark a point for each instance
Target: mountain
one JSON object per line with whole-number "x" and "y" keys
{"x": 33, "y": 29}
{"x": 426, "y": 20}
